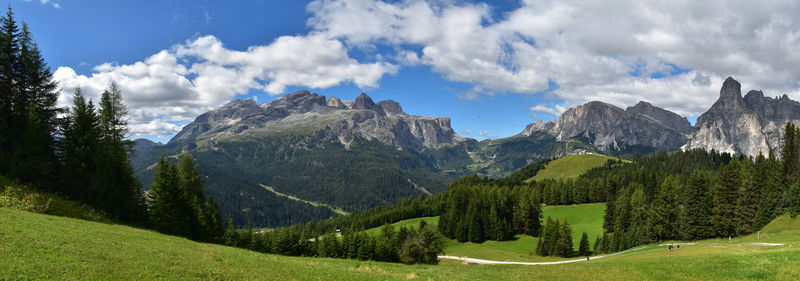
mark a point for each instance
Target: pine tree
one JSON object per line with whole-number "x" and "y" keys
{"x": 79, "y": 147}
{"x": 166, "y": 200}
{"x": 583, "y": 248}
{"x": 28, "y": 111}
{"x": 725, "y": 193}
{"x": 212, "y": 221}
{"x": 765, "y": 179}
{"x": 119, "y": 190}
{"x": 747, "y": 200}
{"x": 230, "y": 238}
{"x": 695, "y": 213}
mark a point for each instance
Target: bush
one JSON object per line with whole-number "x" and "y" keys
{"x": 17, "y": 196}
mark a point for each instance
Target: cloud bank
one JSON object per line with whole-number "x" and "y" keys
{"x": 673, "y": 54}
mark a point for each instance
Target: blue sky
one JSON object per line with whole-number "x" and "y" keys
{"x": 492, "y": 66}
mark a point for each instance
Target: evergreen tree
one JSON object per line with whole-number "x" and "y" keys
{"x": 167, "y": 201}
{"x": 725, "y": 193}
{"x": 230, "y": 237}
{"x": 119, "y": 190}
{"x": 79, "y": 147}
{"x": 765, "y": 179}
{"x": 28, "y": 111}
{"x": 747, "y": 200}
{"x": 212, "y": 221}
{"x": 695, "y": 215}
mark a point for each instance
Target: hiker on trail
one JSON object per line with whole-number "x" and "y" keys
{"x": 679, "y": 247}
{"x": 670, "y": 246}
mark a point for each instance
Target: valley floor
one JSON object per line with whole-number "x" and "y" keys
{"x": 36, "y": 246}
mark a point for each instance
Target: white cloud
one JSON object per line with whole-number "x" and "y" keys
{"x": 188, "y": 79}
{"x": 54, "y": 4}
{"x": 554, "y": 110}
{"x": 154, "y": 127}
{"x": 484, "y": 133}
{"x": 572, "y": 51}
{"x": 586, "y": 48}
{"x": 465, "y": 132}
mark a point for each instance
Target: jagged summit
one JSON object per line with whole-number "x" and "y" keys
{"x": 611, "y": 129}
{"x": 326, "y": 118}
{"x": 746, "y": 125}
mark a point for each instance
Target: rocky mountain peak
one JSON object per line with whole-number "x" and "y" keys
{"x": 335, "y": 103}
{"x": 391, "y": 107}
{"x": 730, "y": 96}
{"x": 298, "y": 102}
{"x": 364, "y": 102}
{"x": 746, "y": 125}
{"x": 610, "y": 128}
{"x": 663, "y": 116}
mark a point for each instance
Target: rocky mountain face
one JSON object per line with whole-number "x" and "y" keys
{"x": 612, "y": 129}
{"x": 746, "y": 125}
{"x": 328, "y": 119}
{"x": 332, "y": 155}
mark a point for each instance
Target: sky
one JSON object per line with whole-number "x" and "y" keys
{"x": 491, "y": 66}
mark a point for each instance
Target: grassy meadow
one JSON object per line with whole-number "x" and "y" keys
{"x": 38, "y": 246}
{"x": 571, "y": 166}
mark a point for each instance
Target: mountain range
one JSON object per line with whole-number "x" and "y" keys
{"x": 303, "y": 156}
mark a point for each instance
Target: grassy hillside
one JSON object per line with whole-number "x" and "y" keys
{"x": 571, "y": 166}
{"x": 21, "y": 197}
{"x": 585, "y": 217}
{"x": 37, "y": 246}
{"x": 407, "y": 223}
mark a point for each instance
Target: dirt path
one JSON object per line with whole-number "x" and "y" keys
{"x": 481, "y": 261}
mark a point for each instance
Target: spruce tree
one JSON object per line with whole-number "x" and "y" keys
{"x": 766, "y": 179}
{"x": 120, "y": 192}
{"x": 696, "y": 213}
{"x": 79, "y": 147}
{"x": 747, "y": 200}
{"x": 725, "y": 193}
{"x": 583, "y": 248}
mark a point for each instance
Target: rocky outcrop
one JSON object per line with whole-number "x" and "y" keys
{"x": 391, "y": 107}
{"x": 335, "y": 103}
{"x": 611, "y": 129}
{"x": 322, "y": 121}
{"x": 750, "y": 125}
{"x": 665, "y": 117}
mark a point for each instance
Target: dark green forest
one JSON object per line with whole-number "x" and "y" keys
{"x": 81, "y": 152}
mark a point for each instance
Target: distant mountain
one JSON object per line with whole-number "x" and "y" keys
{"x": 746, "y": 125}
{"x": 141, "y": 144}
{"x": 326, "y": 153}
{"x": 613, "y": 130}
{"x": 303, "y": 156}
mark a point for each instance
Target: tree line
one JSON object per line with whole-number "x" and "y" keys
{"x": 731, "y": 196}
{"x": 408, "y": 245}
{"x": 81, "y": 152}
{"x": 479, "y": 210}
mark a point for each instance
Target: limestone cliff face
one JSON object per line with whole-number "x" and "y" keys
{"x": 322, "y": 121}
{"x": 610, "y": 128}
{"x": 746, "y": 125}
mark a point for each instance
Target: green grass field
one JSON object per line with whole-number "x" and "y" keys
{"x": 582, "y": 218}
{"x": 36, "y": 246}
{"x": 407, "y": 223}
{"x": 571, "y": 166}
{"x": 585, "y": 217}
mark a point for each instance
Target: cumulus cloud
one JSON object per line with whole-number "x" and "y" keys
{"x": 177, "y": 84}
{"x": 554, "y": 110}
{"x": 465, "y": 132}
{"x": 678, "y": 51}
{"x": 484, "y": 133}
{"x": 673, "y": 54}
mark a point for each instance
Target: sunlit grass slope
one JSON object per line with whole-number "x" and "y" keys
{"x": 36, "y": 246}
{"x": 571, "y": 166}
